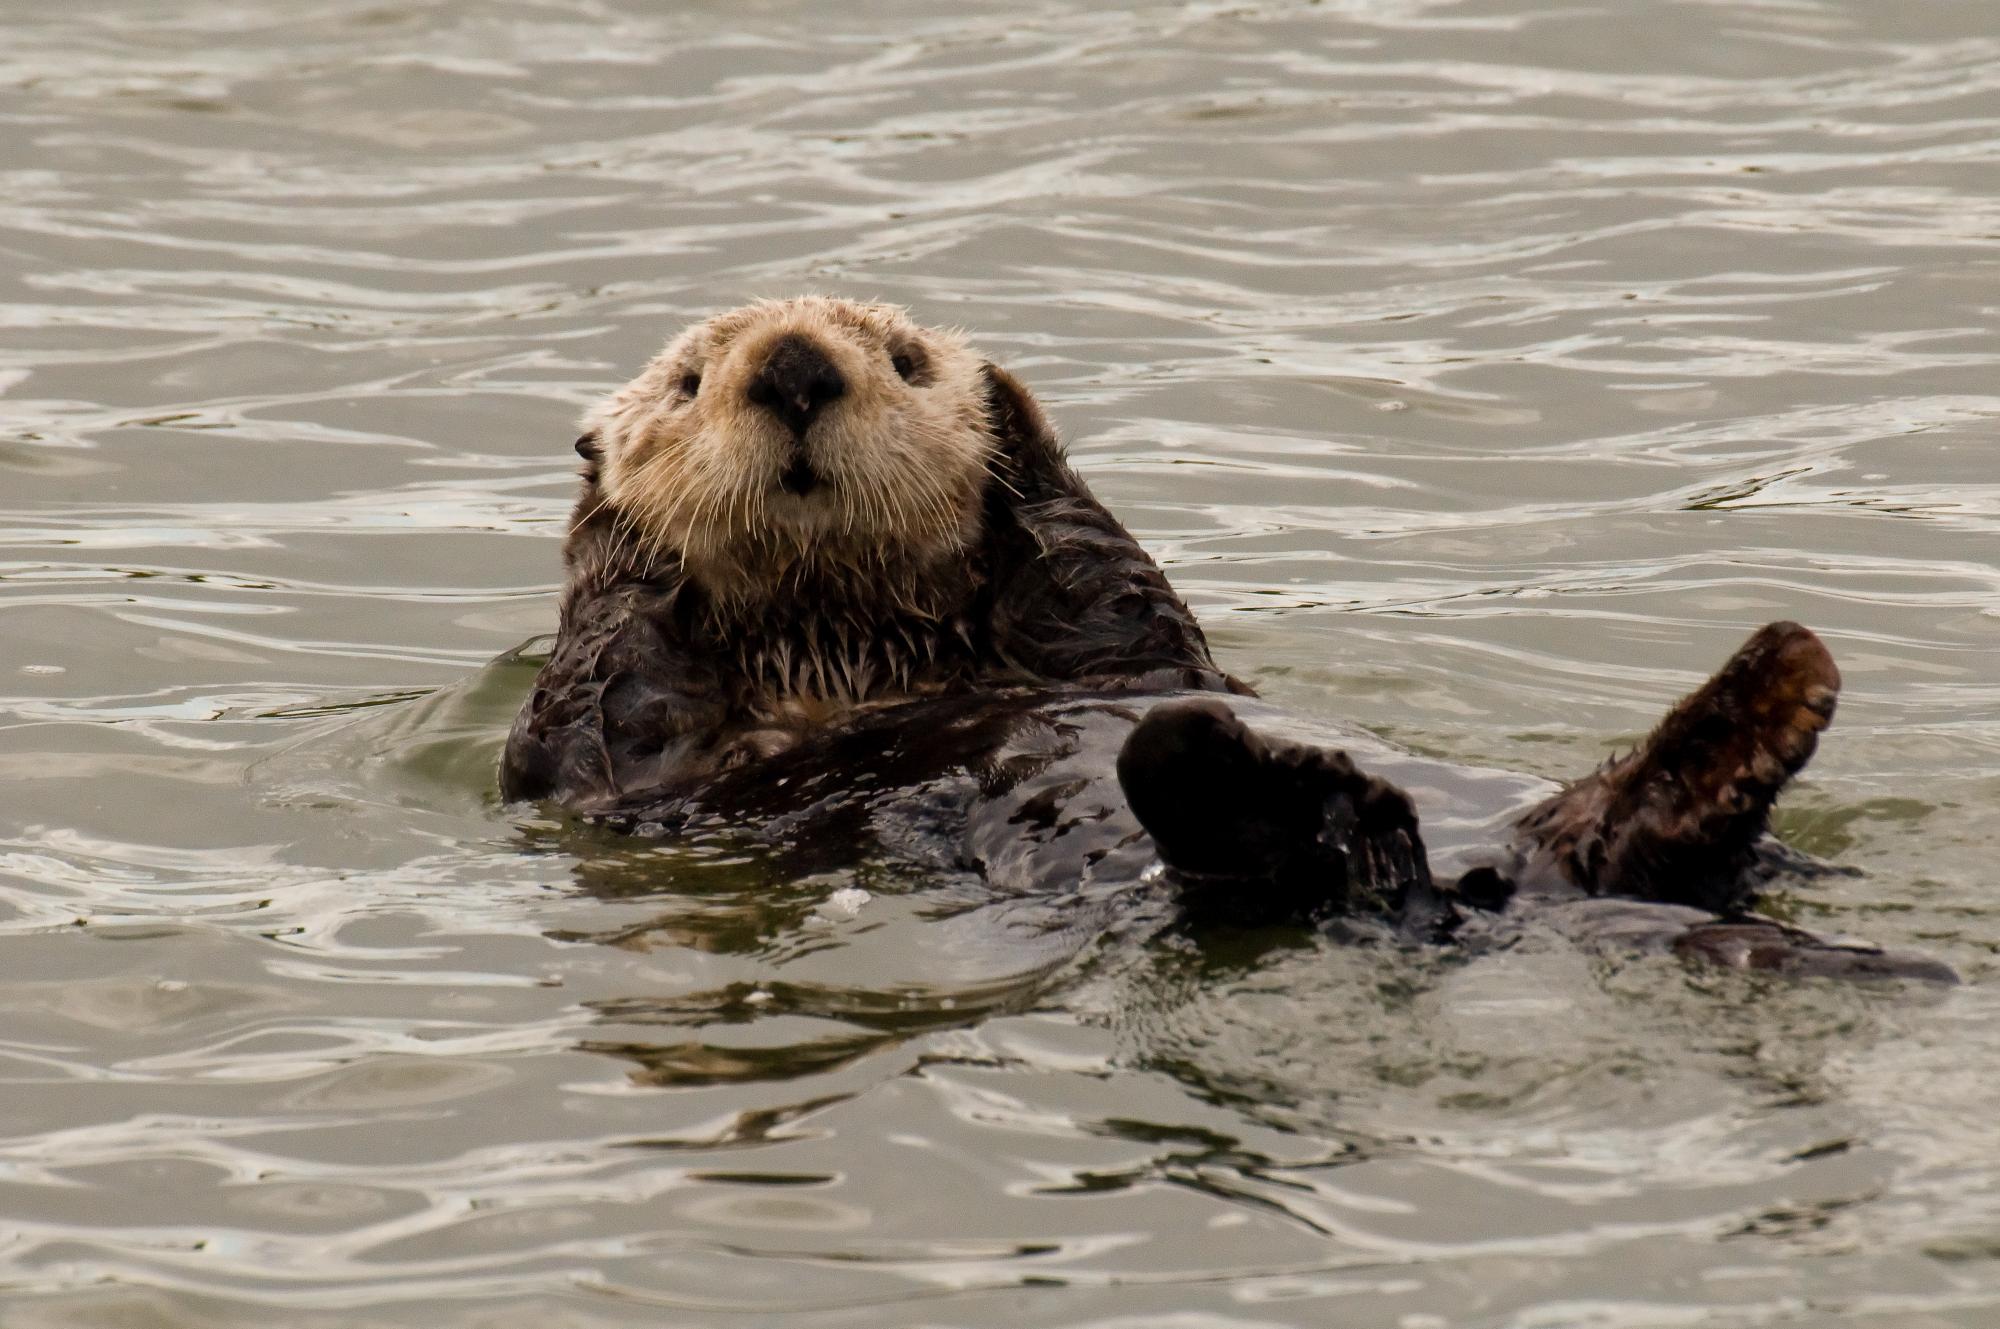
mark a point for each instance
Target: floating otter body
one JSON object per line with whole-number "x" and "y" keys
{"x": 830, "y": 580}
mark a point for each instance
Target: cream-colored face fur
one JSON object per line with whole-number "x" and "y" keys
{"x": 894, "y": 465}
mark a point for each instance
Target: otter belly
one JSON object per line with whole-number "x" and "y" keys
{"x": 1024, "y": 807}
{"x": 1021, "y": 788}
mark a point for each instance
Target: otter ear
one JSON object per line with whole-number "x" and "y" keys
{"x": 1024, "y": 434}
{"x": 588, "y": 448}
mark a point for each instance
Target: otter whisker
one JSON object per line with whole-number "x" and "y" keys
{"x": 596, "y": 508}
{"x": 997, "y": 470}
{"x": 854, "y": 591}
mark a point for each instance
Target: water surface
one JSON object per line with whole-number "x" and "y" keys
{"x": 1481, "y": 370}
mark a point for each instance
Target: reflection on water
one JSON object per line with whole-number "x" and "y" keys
{"x": 1480, "y": 370}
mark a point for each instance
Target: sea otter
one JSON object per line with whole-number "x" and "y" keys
{"x": 831, "y": 581}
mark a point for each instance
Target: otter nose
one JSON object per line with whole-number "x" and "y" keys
{"x": 796, "y": 381}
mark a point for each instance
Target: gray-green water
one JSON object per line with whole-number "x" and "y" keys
{"x": 1482, "y": 371}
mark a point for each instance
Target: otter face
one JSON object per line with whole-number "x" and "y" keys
{"x": 795, "y": 437}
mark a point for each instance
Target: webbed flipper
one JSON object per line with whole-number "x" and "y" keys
{"x": 1679, "y": 818}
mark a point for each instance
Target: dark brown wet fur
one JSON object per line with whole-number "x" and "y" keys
{"x": 1257, "y": 828}
{"x": 1679, "y": 818}
{"x": 654, "y": 681}
{"x": 1043, "y": 713}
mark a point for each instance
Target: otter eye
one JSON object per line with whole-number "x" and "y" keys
{"x": 690, "y": 384}
{"x": 906, "y": 368}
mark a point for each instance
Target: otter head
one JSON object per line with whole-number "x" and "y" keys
{"x": 798, "y": 441}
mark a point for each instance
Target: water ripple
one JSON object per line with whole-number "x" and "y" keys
{"x": 1481, "y": 371}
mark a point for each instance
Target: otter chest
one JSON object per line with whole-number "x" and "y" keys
{"x": 818, "y": 668}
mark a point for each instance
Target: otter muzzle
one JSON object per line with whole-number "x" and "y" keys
{"x": 796, "y": 383}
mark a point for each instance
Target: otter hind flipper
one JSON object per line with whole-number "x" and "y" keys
{"x": 1678, "y": 819}
{"x": 1258, "y": 830}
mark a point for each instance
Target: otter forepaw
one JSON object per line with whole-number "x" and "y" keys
{"x": 1262, "y": 830}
